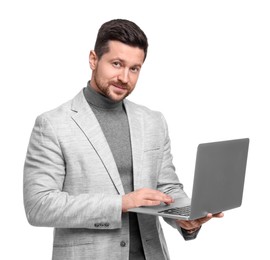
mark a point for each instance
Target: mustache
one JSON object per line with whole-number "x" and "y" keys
{"x": 119, "y": 84}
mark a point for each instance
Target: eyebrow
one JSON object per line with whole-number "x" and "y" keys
{"x": 123, "y": 61}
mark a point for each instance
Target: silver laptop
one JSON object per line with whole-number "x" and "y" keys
{"x": 218, "y": 182}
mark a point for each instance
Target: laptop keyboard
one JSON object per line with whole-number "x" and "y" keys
{"x": 182, "y": 211}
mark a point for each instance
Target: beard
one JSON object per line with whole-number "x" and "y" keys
{"x": 106, "y": 89}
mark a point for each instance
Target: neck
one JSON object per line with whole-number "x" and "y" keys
{"x": 100, "y": 101}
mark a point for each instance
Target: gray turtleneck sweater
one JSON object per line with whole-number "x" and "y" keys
{"x": 113, "y": 120}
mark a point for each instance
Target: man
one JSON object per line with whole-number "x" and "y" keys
{"x": 96, "y": 156}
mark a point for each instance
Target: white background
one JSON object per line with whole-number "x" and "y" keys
{"x": 207, "y": 70}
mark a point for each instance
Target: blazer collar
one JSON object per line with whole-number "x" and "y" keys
{"x": 86, "y": 120}
{"x": 88, "y": 123}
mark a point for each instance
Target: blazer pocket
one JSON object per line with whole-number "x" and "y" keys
{"x": 73, "y": 245}
{"x": 76, "y": 251}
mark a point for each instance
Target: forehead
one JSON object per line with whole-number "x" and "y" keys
{"x": 127, "y": 53}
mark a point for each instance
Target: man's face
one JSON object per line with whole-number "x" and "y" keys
{"x": 116, "y": 73}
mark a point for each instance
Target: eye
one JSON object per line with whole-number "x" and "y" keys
{"x": 135, "y": 69}
{"x": 117, "y": 64}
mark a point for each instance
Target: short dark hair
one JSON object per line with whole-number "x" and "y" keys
{"x": 121, "y": 30}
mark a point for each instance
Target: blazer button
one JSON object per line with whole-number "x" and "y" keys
{"x": 123, "y": 243}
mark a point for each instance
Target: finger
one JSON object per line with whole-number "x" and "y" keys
{"x": 157, "y": 196}
{"x": 189, "y": 224}
{"x": 169, "y": 202}
{"x": 209, "y": 216}
{"x": 183, "y": 224}
{"x": 218, "y": 215}
{"x": 165, "y": 199}
{"x": 204, "y": 219}
{"x": 150, "y": 203}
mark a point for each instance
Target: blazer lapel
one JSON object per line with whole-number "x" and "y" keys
{"x": 87, "y": 122}
{"x": 135, "y": 120}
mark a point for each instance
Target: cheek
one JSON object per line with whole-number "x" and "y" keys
{"x": 105, "y": 73}
{"x": 133, "y": 80}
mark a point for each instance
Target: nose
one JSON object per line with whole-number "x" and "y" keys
{"x": 124, "y": 75}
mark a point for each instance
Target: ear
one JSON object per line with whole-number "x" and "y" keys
{"x": 93, "y": 59}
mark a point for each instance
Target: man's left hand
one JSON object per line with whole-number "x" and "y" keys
{"x": 193, "y": 225}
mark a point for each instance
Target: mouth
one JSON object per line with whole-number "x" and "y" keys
{"x": 119, "y": 86}
{"x": 119, "y": 90}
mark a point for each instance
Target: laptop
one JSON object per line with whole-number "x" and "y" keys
{"x": 217, "y": 185}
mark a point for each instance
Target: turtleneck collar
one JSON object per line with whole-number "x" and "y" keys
{"x": 99, "y": 101}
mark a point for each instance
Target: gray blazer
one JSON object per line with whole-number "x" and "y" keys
{"x": 71, "y": 181}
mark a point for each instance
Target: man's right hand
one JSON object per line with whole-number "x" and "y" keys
{"x": 144, "y": 197}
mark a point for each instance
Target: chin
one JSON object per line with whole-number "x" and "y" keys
{"x": 117, "y": 97}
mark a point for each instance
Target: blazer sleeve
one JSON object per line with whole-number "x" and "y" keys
{"x": 168, "y": 181}
{"x": 45, "y": 202}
